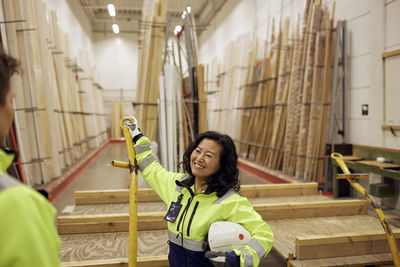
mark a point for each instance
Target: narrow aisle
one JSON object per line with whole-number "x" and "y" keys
{"x": 99, "y": 176}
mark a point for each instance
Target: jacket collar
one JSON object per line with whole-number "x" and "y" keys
{"x": 6, "y": 158}
{"x": 187, "y": 181}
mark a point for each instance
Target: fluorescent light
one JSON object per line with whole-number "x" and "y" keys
{"x": 189, "y": 9}
{"x": 115, "y": 28}
{"x": 184, "y": 14}
{"x": 111, "y": 10}
{"x": 178, "y": 28}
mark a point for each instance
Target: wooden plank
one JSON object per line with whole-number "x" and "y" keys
{"x": 148, "y": 195}
{"x": 153, "y": 261}
{"x": 391, "y": 53}
{"x": 161, "y": 206}
{"x": 312, "y": 210}
{"x": 379, "y": 164}
{"x": 339, "y": 245}
{"x": 286, "y": 230}
{"x": 113, "y": 196}
{"x": 155, "y": 220}
{"x": 384, "y": 259}
{"x": 106, "y": 223}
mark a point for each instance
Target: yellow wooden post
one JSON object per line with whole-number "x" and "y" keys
{"x": 385, "y": 224}
{"x": 133, "y": 192}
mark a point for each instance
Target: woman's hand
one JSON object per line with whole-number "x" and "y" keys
{"x": 133, "y": 127}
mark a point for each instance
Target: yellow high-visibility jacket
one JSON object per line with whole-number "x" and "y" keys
{"x": 198, "y": 212}
{"x": 28, "y": 236}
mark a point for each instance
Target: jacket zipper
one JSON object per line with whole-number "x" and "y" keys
{"x": 184, "y": 213}
{"x": 191, "y": 217}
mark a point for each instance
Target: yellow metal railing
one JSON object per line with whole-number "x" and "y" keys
{"x": 133, "y": 191}
{"x": 375, "y": 205}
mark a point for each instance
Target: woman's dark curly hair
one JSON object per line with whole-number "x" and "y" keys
{"x": 228, "y": 174}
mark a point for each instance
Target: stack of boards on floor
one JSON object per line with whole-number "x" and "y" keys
{"x": 310, "y": 229}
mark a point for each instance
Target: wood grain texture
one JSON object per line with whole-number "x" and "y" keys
{"x": 375, "y": 259}
{"x": 286, "y": 231}
{"x": 148, "y": 195}
{"x": 86, "y": 247}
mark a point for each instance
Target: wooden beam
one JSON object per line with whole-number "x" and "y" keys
{"x": 391, "y": 53}
{"x": 342, "y": 244}
{"x": 155, "y": 220}
{"x": 113, "y": 196}
{"x": 148, "y": 195}
{"x": 153, "y": 261}
{"x": 312, "y": 210}
{"x": 109, "y": 223}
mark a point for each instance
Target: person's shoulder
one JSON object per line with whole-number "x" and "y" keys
{"x": 7, "y": 181}
{"x": 19, "y": 194}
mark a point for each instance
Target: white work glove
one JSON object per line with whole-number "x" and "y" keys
{"x": 133, "y": 128}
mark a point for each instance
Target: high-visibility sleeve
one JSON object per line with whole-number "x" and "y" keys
{"x": 28, "y": 236}
{"x": 161, "y": 180}
{"x": 242, "y": 212}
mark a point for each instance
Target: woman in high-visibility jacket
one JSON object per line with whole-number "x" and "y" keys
{"x": 206, "y": 193}
{"x": 28, "y": 236}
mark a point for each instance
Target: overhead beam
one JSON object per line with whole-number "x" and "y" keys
{"x": 342, "y": 245}
{"x": 155, "y": 220}
{"x": 148, "y": 195}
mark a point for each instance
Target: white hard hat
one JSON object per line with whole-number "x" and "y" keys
{"x": 226, "y": 236}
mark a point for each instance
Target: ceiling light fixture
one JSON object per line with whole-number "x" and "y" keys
{"x": 189, "y": 9}
{"x": 111, "y": 10}
{"x": 178, "y": 28}
{"x": 184, "y": 14}
{"x": 115, "y": 28}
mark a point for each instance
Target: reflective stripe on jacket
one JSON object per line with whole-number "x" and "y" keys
{"x": 28, "y": 236}
{"x": 198, "y": 212}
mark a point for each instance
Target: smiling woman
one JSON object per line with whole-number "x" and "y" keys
{"x": 206, "y": 193}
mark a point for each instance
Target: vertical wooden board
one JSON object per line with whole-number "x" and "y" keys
{"x": 247, "y": 99}
{"x": 33, "y": 81}
{"x": 58, "y": 63}
{"x": 45, "y": 97}
{"x": 116, "y": 117}
{"x": 202, "y": 100}
{"x": 307, "y": 86}
{"x": 318, "y": 99}
{"x": 291, "y": 123}
{"x": 20, "y": 119}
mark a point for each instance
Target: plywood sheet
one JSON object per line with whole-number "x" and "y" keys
{"x": 84, "y": 247}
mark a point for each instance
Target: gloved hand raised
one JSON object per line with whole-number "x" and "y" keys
{"x": 224, "y": 258}
{"x": 133, "y": 128}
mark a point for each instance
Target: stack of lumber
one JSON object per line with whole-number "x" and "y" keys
{"x": 150, "y": 65}
{"x": 226, "y": 89}
{"x": 307, "y": 226}
{"x": 283, "y": 106}
{"x": 50, "y": 112}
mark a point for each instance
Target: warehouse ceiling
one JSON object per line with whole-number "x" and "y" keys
{"x": 129, "y": 15}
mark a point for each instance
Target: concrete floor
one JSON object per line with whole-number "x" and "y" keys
{"x": 102, "y": 176}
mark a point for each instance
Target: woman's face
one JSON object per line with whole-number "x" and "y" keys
{"x": 204, "y": 160}
{"x": 6, "y": 116}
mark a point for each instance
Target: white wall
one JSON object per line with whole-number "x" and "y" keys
{"x": 116, "y": 60}
{"x": 116, "y": 64}
{"x": 372, "y": 29}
